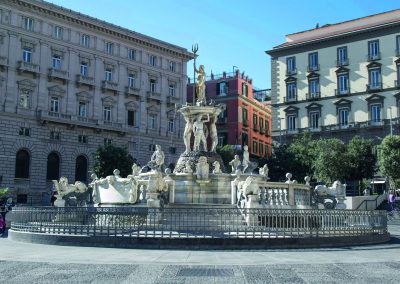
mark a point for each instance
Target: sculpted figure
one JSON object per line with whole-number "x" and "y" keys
{"x": 213, "y": 133}
{"x": 135, "y": 170}
{"x": 187, "y": 134}
{"x": 157, "y": 159}
{"x": 246, "y": 158}
{"x": 200, "y": 84}
{"x": 202, "y": 168}
{"x": 199, "y": 136}
{"x": 217, "y": 168}
{"x": 264, "y": 171}
{"x": 235, "y": 163}
{"x": 188, "y": 168}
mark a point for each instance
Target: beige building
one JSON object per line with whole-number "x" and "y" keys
{"x": 338, "y": 80}
{"x": 70, "y": 83}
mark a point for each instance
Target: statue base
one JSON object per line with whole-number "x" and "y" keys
{"x": 193, "y": 158}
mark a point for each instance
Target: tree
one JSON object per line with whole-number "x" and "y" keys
{"x": 330, "y": 162}
{"x": 303, "y": 150}
{"x": 227, "y": 153}
{"x": 360, "y": 159}
{"x": 389, "y": 158}
{"x": 3, "y": 195}
{"x": 109, "y": 158}
{"x": 281, "y": 162}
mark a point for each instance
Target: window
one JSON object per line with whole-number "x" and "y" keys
{"x": 221, "y": 140}
{"x": 24, "y": 131}
{"x": 152, "y": 60}
{"x": 291, "y": 122}
{"x": 22, "y": 198}
{"x": 373, "y": 50}
{"x": 58, "y": 32}
{"x": 343, "y": 117}
{"x": 291, "y": 89}
{"x": 313, "y": 88}
{"x": 25, "y": 99}
{"x": 171, "y": 90}
{"x": 398, "y": 45}
{"x": 375, "y": 79}
{"x": 172, "y": 66}
{"x": 261, "y": 124}
{"x": 245, "y": 89}
{"x": 172, "y": 150}
{"x": 171, "y": 125}
{"x": 152, "y": 147}
{"x": 131, "y": 80}
{"x": 108, "y": 74}
{"x": 28, "y": 24}
{"x": 109, "y": 47}
{"x": 55, "y": 135}
{"x": 53, "y": 166}
{"x": 57, "y": 62}
{"x": 81, "y": 166}
{"x": 313, "y": 61}
{"x": 84, "y": 69}
{"x": 342, "y": 58}
{"x": 82, "y": 139}
{"x": 343, "y": 82}
{"x": 152, "y": 121}
{"x": 245, "y": 116}
{"x": 107, "y": 141}
{"x": 261, "y": 149}
{"x": 107, "y": 113}
{"x": 85, "y": 40}
{"x": 314, "y": 120}
{"x": 255, "y": 120}
{"x": 22, "y": 161}
{"x": 131, "y": 54}
{"x": 152, "y": 85}
{"x": 82, "y": 109}
{"x": 131, "y": 118}
{"x": 27, "y": 54}
{"x": 55, "y": 104}
{"x": 375, "y": 113}
{"x": 291, "y": 65}
{"x": 255, "y": 147}
{"x": 222, "y": 89}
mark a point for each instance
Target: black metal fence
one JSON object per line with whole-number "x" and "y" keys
{"x": 198, "y": 222}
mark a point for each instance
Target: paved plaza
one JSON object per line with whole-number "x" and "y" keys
{"x": 36, "y": 263}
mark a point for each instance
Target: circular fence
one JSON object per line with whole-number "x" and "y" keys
{"x": 140, "y": 227}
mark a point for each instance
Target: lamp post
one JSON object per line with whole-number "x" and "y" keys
{"x": 233, "y": 68}
{"x": 195, "y": 48}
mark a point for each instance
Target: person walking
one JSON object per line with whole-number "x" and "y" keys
{"x": 2, "y": 224}
{"x": 391, "y": 200}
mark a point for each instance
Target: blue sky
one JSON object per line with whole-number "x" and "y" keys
{"x": 229, "y": 32}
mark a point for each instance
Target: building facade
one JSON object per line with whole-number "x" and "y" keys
{"x": 338, "y": 80}
{"x": 245, "y": 119}
{"x": 70, "y": 83}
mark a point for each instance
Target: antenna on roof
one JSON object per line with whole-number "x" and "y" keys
{"x": 317, "y": 26}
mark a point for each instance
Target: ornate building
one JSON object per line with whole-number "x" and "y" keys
{"x": 246, "y": 118}
{"x": 70, "y": 83}
{"x": 339, "y": 80}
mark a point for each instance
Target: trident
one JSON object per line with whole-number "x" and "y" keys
{"x": 195, "y": 48}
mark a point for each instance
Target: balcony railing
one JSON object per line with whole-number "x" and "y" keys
{"x": 397, "y": 84}
{"x": 342, "y": 92}
{"x": 374, "y": 87}
{"x": 58, "y": 74}
{"x": 3, "y": 61}
{"x": 374, "y": 56}
{"x": 84, "y": 80}
{"x": 110, "y": 86}
{"x": 343, "y": 62}
{"x": 290, "y": 99}
{"x": 153, "y": 96}
{"x": 313, "y": 68}
{"x": 131, "y": 91}
{"x": 28, "y": 67}
{"x": 313, "y": 96}
{"x": 172, "y": 100}
{"x": 291, "y": 72}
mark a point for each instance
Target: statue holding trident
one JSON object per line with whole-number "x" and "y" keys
{"x": 200, "y": 89}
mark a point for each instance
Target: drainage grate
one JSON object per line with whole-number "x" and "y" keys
{"x": 206, "y": 272}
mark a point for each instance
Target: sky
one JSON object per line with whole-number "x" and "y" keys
{"x": 230, "y": 33}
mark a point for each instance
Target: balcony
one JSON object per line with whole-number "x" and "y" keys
{"x": 245, "y": 122}
{"x": 291, "y": 72}
{"x": 132, "y": 92}
{"x": 58, "y": 74}
{"x": 255, "y": 128}
{"x": 172, "y": 100}
{"x": 3, "y": 63}
{"x": 339, "y": 93}
{"x": 397, "y": 84}
{"x": 376, "y": 122}
{"x": 342, "y": 62}
{"x": 112, "y": 124}
{"x": 153, "y": 96}
{"x": 84, "y": 119}
{"x": 373, "y": 57}
{"x": 109, "y": 86}
{"x": 374, "y": 87}
{"x": 290, "y": 99}
{"x": 292, "y": 131}
{"x": 28, "y": 67}
{"x": 312, "y": 68}
{"x": 84, "y": 80}
{"x": 313, "y": 96}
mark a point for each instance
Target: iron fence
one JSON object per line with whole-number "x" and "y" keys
{"x": 198, "y": 222}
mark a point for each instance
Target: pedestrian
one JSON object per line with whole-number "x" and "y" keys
{"x": 391, "y": 200}
{"x": 2, "y": 224}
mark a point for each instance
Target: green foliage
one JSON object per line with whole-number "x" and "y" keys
{"x": 280, "y": 163}
{"x": 109, "y": 158}
{"x": 302, "y": 149}
{"x": 4, "y": 192}
{"x": 330, "y": 160}
{"x": 227, "y": 153}
{"x": 360, "y": 159}
{"x": 389, "y": 158}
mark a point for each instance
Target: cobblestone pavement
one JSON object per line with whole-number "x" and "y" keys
{"x": 35, "y": 263}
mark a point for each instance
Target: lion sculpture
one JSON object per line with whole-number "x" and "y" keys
{"x": 63, "y": 188}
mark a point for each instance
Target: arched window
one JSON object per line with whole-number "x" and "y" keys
{"x": 22, "y": 164}
{"x": 53, "y": 166}
{"x": 81, "y": 165}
